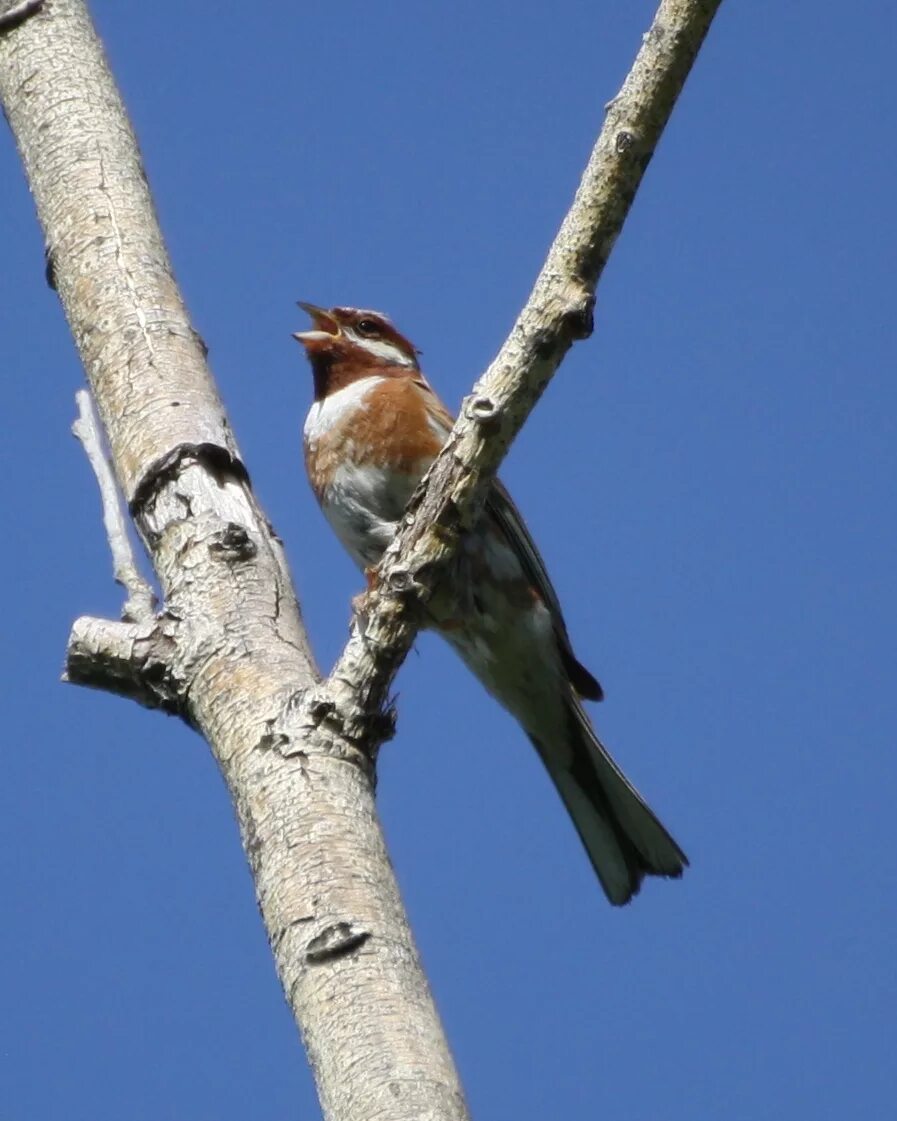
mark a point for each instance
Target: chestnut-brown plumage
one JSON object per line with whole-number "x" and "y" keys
{"x": 374, "y": 428}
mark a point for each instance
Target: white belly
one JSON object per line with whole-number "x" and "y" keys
{"x": 363, "y": 506}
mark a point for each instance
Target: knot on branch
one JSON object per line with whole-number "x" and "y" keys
{"x": 482, "y": 409}
{"x": 399, "y": 587}
{"x": 233, "y": 543}
{"x": 580, "y": 319}
{"x": 402, "y": 582}
{"x": 336, "y": 941}
{"x": 624, "y": 141}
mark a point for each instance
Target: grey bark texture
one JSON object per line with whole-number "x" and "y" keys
{"x": 227, "y": 650}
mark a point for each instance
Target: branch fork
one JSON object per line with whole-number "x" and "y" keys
{"x": 132, "y": 657}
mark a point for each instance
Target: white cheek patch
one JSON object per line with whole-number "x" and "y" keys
{"x": 325, "y": 415}
{"x": 382, "y": 348}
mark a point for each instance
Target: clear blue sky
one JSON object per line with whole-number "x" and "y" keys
{"x": 711, "y": 480}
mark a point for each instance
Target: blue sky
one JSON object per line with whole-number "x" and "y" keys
{"x": 709, "y": 480}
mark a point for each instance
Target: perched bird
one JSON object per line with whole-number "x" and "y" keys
{"x": 373, "y": 430}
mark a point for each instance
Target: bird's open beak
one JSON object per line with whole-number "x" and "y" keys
{"x": 324, "y": 325}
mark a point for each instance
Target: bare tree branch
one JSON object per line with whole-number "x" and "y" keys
{"x": 558, "y": 312}
{"x": 140, "y": 605}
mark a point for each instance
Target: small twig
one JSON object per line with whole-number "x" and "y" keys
{"x": 18, "y": 13}
{"x": 141, "y": 602}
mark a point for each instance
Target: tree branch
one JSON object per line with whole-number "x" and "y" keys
{"x": 557, "y": 313}
{"x": 140, "y": 604}
{"x": 132, "y": 659}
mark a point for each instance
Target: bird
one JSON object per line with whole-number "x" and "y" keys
{"x": 373, "y": 428}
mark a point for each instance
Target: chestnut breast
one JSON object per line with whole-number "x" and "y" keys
{"x": 367, "y": 446}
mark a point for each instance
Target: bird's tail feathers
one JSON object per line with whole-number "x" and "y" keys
{"x": 622, "y": 836}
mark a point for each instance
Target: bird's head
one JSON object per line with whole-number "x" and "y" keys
{"x": 346, "y": 344}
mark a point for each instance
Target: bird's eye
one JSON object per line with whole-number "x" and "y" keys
{"x": 368, "y": 327}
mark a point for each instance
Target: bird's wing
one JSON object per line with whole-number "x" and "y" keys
{"x": 505, "y": 515}
{"x": 507, "y": 520}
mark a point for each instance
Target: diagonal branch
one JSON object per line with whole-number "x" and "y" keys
{"x": 558, "y": 313}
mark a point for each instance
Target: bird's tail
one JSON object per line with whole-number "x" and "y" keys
{"x": 623, "y": 838}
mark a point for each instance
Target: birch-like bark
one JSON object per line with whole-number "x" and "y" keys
{"x": 228, "y": 651}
